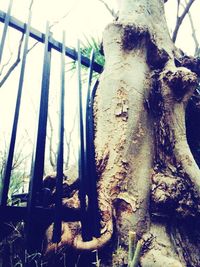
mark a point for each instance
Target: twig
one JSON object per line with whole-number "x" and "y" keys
{"x": 29, "y": 50}
{"x": 58, "y": 21}
{"x": 180, "y": 19}
{"x": 14, "y": 65}
{"x": 6, "y": 64}
{"x": 112, "y": 12}
{"x": 52, "y": 153}
{"x": 18, "y": 59}
{"x": 68, "y": 142}
{"x": 63, "y": 17}
{"x": 178, "y": 6}
{"x": 31, "y": 4}
{"x": 194, "y": 34}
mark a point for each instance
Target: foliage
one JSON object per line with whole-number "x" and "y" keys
{"x": 92, "y": 44}
{"x": 89, "y": 44}
{"x": 17, "y": 175}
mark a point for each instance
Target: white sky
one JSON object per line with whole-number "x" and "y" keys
{"x": 89, "y": 17}
{"x": 84, "y": 17}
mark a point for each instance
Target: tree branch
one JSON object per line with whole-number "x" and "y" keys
{"x": 111, "y": 11}
{"x": 31, "y": 4}
{"x": 63, "y": 17}
{"x": 52, "y": 153}
{"x": 6, "y": 64}
{"x": 197, "y": 48}
{"x": 178, "y": 6}
{"x": 18, "y": 59}
{"x": 180, "y": 19}
{"x": 14, "y": 65}
{"x": 68, "y": 142}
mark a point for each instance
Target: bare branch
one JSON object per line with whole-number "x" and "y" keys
{"x": 52, "y": 153}
{"x": 59, "y": 20}
{"x": 63, "y": 17}
{"x": 17, "y": 61}
{"x": 14, "y": 65}
{"x": 194, "y": 36}
{"x": 6, "y": 64}
{"x": 180, "y": 19}
{"x": 68, "y": 142}
{"x": 29, "y": 50}
{"x": 111, "y": 11}
{"x": 31, "y": 4}
{"x": 178, "y": 6}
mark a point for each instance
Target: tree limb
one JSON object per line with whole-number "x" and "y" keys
{"x": 31, "y": 4}
{"x": 111, "y": 11}
{"x": 6, "y": 64}
{"x": 52, "y": 153}
{"x": 14, "y": 65}
{"x": 178, "y": 6}
{"x": 18, "y": 59}
{"x": 63, "y": 17}
{"x": 68, "y": 142}
{"x": 180, "y": 19}
{"x": 194, "y": 36}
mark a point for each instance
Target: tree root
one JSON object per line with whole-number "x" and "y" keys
{"x": 71, "y": 231}
{"x": 72, "y": 238}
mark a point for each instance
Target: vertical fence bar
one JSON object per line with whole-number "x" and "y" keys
{"x": 37, "y": 169}
{"x": 93, "y": 211}
{"x": 81, "y": 159}
{"x": 39, "y": 153}
{"x": 6, "y": 23}
{"x": 59, "y": 177}
{"x": 8, "y": 168}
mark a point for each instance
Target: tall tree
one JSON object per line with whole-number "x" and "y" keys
{"x": 149, "y": 182}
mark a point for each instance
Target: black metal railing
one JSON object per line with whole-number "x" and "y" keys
{"x": 89, "y": 215}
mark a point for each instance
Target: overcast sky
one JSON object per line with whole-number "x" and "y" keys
{"x": 90, "y": 17}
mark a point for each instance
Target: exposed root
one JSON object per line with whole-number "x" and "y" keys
{"x": 95, "y": 243}
{"x": 71, "y": 231}
{"x": 71, "y": 237}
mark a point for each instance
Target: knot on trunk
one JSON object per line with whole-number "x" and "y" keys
{"x": 133, "y": 36}
{"x": 156, "y": 58}
{"x": 190, "y": 63}
{"x": 181, "y": 81}
{"x": 173, "y": 195}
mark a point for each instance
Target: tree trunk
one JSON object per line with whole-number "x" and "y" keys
{"x": 148, "y": 180}
{"x": 149, "y": 175}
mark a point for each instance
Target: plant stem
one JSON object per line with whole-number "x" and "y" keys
{"x": 131, "y": 246}
{"x": 136, "y": 258}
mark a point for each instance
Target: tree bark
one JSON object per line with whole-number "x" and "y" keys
{"x": 148, "y": 179}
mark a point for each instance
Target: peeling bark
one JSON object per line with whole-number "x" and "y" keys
{"x": 148, "y": 179}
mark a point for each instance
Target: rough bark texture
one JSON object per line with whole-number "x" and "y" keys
{"x": 149, "y": 182}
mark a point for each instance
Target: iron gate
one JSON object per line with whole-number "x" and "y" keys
{"x": 88, "y": 214}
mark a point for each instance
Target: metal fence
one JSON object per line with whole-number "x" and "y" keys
{"x": 36, "y": 212}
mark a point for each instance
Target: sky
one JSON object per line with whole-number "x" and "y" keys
{"x": 79, "y": 19}
{"x": 90, "y": 17}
